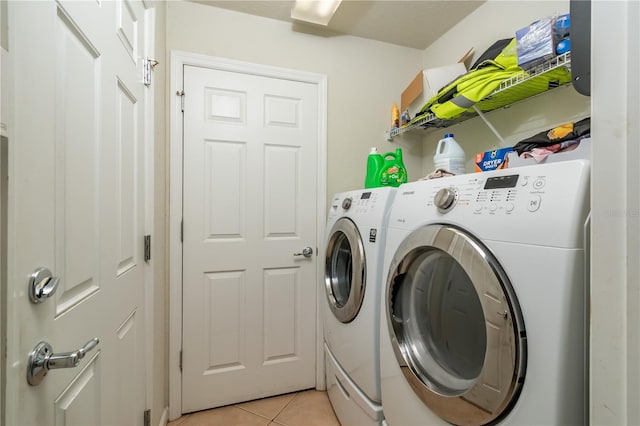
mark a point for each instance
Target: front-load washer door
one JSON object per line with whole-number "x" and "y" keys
{"x": 345, "y": 270}
{"x": 455, "y": 326}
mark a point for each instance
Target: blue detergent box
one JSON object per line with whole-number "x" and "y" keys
{"x": 492, "y": 160}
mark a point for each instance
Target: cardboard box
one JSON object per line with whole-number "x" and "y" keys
{"x": 427, "y": 84}
{"x": 492, "y": 160}
{"x": 535, "y": 43}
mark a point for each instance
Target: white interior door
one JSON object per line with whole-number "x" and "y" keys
{"x": 77, "y": 208}
{"x": 250, "y": 191}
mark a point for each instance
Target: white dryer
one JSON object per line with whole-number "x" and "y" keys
{"x": 354, "y": 246}
{"x": 483, "y": 315}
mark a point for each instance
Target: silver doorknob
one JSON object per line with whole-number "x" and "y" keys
{"x": 306, "y": 252}
{"x": 42, "y": 284}
{"x": 42, "y": 359}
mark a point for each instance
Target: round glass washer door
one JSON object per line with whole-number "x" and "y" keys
{"x": 345, "y": 270}
{"x": 455, "y": 326}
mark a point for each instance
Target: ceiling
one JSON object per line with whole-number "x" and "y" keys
{"x": 413, "y": 23}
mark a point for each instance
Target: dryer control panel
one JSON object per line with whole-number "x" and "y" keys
{"x": 493, "y": 194}
{"x": 366, "y": 204}
{"x": 549, "y": 202}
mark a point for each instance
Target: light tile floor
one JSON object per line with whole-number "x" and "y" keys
{"x": 306, "y": 408}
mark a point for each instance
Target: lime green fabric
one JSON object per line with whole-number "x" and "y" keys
{"x": 475, "y": 88}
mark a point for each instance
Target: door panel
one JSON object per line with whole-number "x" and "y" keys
{"x": 77, "y": 146}
{"x": 224, "y": 198}
{"x": 79, "y": 403}
{"x": 78, "y": 209}
{"x": 280, "y": 314}
{"x": 126, "y": 178}
{"x": 281, "y": 167}
{"x": 225, "y": 321}
{"x": 250, "y": 191}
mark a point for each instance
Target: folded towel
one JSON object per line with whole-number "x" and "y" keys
{"x": 438, "y": 173}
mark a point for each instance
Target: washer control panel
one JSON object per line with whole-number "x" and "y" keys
{"x": 362, "y": 202}
{"x": 503, "y": 194}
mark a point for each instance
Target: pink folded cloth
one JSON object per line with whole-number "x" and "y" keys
{"x": 539, "y": 154}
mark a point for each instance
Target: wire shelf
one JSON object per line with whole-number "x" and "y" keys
{"x": 430, "y": 120}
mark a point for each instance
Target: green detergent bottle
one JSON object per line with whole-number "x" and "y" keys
{"x": 374, "y": 167}
{"x": 393, "y": 171}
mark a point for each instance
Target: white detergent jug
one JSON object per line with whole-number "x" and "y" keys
{"x": 449, "y": 156}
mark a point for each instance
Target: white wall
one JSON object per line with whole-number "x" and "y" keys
{"x": 495, "y": 20}
{"x": 364, "y": 78}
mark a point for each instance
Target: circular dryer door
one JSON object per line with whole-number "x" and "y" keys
{"x": 455, "y": 326}
{"x": 345, "y": 274}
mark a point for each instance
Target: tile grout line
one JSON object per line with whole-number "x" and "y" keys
{"x": 251, "y": 412}
{"x": 265, "y": 417}
{"x": 285, "y": 406}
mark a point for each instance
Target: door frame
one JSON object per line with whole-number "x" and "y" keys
{"x": 178, "y": 60}
{"x": 149, "y": 208}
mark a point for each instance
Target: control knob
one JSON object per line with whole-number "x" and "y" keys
{"x": 445, "y": 198}
{"x": 346, "y": 203}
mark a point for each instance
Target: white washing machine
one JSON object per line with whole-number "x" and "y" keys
{"x": 354, "y": 246}
{"x": 484, "y": 310}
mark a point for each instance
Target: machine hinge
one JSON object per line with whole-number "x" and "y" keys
{"x": 181, "y": 94}
{"x": 148, "y": 65}
{"x": 147, "y": 417}
{"x": 147, "y": 248}
{"x": 180, "y": 360}
{"x": 181, "y": 231}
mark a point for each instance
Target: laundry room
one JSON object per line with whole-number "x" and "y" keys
{"x": 365, "y": 77}
{"x": 272, "y": 265}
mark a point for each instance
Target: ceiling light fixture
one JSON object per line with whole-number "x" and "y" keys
{"x": 315, "y": 11}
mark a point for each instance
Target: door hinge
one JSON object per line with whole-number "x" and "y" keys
{"x": 181, "y": 231}
{"x": 147, "y": 417}
{"x": 147, "y": 248}
{"x": 148, "y": 64}
{"x": 181, "y": 94}
{"x": 180, "y": 361}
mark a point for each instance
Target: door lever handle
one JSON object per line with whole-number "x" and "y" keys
{"x": 42, "y": 359}
{"x": 306, "y": 252}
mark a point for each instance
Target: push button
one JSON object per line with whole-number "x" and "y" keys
{"x": 534, "y": 203}
{"x": 539, "y": 183}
